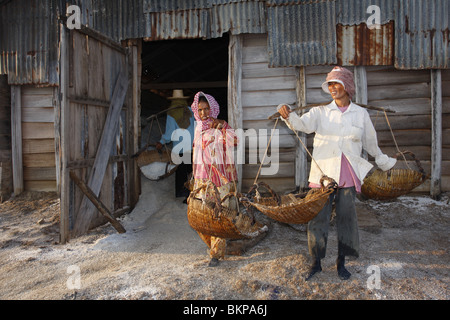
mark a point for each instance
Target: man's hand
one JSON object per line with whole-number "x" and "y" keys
{"x": 285, "y": 111}
{"x": 159, "y": 146}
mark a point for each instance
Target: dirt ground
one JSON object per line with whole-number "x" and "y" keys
{"x": 404, "y": 255}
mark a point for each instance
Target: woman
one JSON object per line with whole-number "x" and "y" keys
{"x": 213, "y": 160}
{"x": 342, "y": 129}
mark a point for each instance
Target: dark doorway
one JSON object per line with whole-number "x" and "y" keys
{"x": 192, "y": 65}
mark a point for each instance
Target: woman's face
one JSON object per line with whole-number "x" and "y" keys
{"x": 203, "y": 110}
{"x": 337, "y": 90}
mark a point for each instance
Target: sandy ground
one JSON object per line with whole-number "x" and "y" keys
{"x": 404, "y": 255}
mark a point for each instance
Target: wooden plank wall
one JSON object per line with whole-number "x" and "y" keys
{"x": 38, "y": 139}
{"x": 6, "y": 185}
{"x": 406, "y": 92}
{"x": 445, "y": 178}
{"x": 409, "y": 94}
{"x": 262, "y": 89}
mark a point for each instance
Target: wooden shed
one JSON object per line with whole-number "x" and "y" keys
{"x": 77, "y": 95}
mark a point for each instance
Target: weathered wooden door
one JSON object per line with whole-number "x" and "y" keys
{"x": 97, "y": 121}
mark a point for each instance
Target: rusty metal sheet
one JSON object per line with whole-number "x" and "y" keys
{"x": 360, "y": 46}
{"x": 422, "y": 34}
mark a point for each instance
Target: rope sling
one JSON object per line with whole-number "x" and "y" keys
{"x": 292, "y": 208}
{"x": 156, "y": 164}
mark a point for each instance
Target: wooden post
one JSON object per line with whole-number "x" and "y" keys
{"x": 57, "y": 128}
{"x": 436, "y": 133}
{"x": 361, "y": 85}
{"x": 234, "y": 95}
{"x": 301, "y": 158}
{"x": 97, "y": 203}
{"x": 63, "y": 113}
{"x": 136, "y": 50}
{"x": 361, "y": 92}
{"x": 16, "y": 139}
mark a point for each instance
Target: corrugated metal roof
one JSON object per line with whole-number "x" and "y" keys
{"x": 118, "y": 20}
{"x": 203, "y": 18}
{"x": 422, "y": 34}
{"x": 29, "y": 42}
{"x": 355, "y": 12}
{"x": 301, "y": 33}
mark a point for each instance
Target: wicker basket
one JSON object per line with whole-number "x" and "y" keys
{"x": 390, "y": 184}
{"x": 292, "y": 208}
{"x": 155, "y": 164}
{"x": 150, "y": 156}
{"x": 214, "y": 219}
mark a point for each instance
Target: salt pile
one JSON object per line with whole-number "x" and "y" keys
{"x": 155, "y": 170}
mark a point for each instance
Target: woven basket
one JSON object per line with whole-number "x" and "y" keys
{"x": 292, "y": 208}
{"x": 214, "y": 219}
{"x": 150, "y": 156}
{"x": 390, "y": 184}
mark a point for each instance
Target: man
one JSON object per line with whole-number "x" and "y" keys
{"x": 180, "y": 125}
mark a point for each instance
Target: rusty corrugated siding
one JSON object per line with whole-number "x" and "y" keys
{"x": 29, "y": 30}
{"x": 202, "y": 18}
{"x": 355, "y": 12}
{"x": 119, "y": 19}
{"x": 360, "y": 46}
{"x": 422, "y": 34}
{"x": 301, "y": 33}
{"x": 29, "y": 42}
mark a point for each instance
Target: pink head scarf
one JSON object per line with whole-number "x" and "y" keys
{"x": 342, "y": 76}
{"x": 214, "y": 109}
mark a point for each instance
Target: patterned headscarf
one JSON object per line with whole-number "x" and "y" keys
{"x": 342, "y": 76}
{"x": 214, "y": 110}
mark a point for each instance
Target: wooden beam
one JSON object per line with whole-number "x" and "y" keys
{"x": 57, "y": 140}
{"x": 184, "y": 85}
{"x": 102, "y": 38}
{"x": 277, "y": 114}
{"x": 16, "y": 139}
{"x": 436, "y": 133}
{"x": 97, "y": 203}
{"x": 234, "y": 95}
{"x": 97, "y": 173}
{"x": 301, "y": 158}
{"x": 64, "y": 135}
{"x": 134, "y": 190}
{"x": 361, "y": 96}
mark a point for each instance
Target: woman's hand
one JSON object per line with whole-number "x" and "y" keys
{"x": 285, "y": 111}
{"x": 217, "y": 124}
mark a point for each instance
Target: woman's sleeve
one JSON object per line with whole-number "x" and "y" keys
{"x": 306, "y": 123}
{"x": 370, "y": 144}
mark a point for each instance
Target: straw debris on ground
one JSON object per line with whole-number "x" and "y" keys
{"x": 160, "y": 257}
